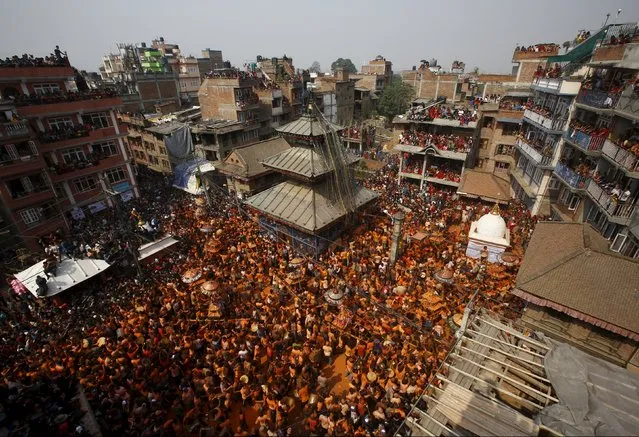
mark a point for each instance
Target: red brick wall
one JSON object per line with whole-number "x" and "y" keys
{"x": 609, "y": 53}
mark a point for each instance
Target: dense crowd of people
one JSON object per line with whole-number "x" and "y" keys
{"x": 230, "y": 333}
{"x": 61, "y": 96}
{"x": 548, "y": 72}
{"x": 451, "y": 142}
{"x": 55, "y": 59}
{"x": 538, "y": 48}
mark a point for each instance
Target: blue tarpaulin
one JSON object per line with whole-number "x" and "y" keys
{"x": 185, "y": 174}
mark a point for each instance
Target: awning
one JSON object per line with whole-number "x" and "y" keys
{"x": 155, "y": 247}
{"x": 69, "y": 273}
{"x": 582, "y": 50}
{"x": 186, "y": 175}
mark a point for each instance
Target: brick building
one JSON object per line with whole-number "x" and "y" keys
{"x": 379, "y": 67}
{"x": 62, "y": 149}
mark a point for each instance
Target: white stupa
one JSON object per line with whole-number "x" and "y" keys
{"x": 489, "y": 233}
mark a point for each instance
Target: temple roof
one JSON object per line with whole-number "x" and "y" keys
{"x": 251, "y": 158}
{"x": 303, "y": 161}
{"x": 307, "y": 125}
{"x": 306, "y": 207}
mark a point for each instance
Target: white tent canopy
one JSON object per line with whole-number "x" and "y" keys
{"x": 150, "y": 249}
{"x": 68, "y": 274}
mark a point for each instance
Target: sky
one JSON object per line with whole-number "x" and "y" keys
{"x": 480, "y": 33}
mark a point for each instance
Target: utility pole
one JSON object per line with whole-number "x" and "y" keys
{"x": 398, "y": 219}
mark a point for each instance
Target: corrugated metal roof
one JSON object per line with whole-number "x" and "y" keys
{"x": 308, "y": 126}
{"x": 306, "y": 207}
{"x": 303, "y": 161}
{"x": 252, "y": 157}
{"x": 484, "y": 185}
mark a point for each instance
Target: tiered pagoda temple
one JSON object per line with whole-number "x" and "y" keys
{"x": 320, "y": 197}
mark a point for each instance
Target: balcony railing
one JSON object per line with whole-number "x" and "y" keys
{"x": 622, "y": 157}
{"x": 597, "y": 99}
{"x": 546, "y": 122}
{"x": 13, "y": 130}
{"x": 536, "y": 155}
{"x": 584, "y": 141}
{"x": 621, "y": 212}
{"x": 64, "y": 134}
{"x": 570, "y": 177}
{"x": 557, "y": 85}
{"x": 62, "y": 97}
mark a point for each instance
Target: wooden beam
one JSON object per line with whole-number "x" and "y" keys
{"x": 421, "y": 428}
{"x": 516, "y": 333}
{"x": 503, "y": 363}
{"x": 504, "y": 352}
{"x": 506, "y": 343}
{"x": 501, "y": 390}
{"x": 429, "y": 417}
{"x": 507, "y": 378}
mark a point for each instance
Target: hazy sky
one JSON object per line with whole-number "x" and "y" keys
{"x": 481, "y": 33}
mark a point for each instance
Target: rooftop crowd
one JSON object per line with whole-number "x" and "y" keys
{"x": 451, "y": 142}
{"x": 463, "y": 115}
{"x": 259, "y": 351}
{"x": 55, "y": 59}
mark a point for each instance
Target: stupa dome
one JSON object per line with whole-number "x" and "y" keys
{"x": 491, "y": 225}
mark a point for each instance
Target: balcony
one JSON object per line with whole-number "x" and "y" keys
{"x": 570, "y": 178}
{"x": 625, "y": 159}
{"x": 38, "y": 195}
{"x": 597, "y": 99}
{"x": 14, "y": 130}
{"x": 545, "y": 122}
{"x": 49, "y": 142}
{"x": 540, "y": 159}
{"x": 590, "y": 145}
{"x": 84, "y": 102}
{"x": 547, "y": 52}
{"x": 86, "y": 168}
{"x": 556, "y": 85}
{"x": 26, "y": 164}
{"x": 618, "y": 212}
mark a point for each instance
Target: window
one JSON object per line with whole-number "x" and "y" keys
{"x": 86, "y": 183}
{"x": 46, "y": 88}
{"x": 60, "y": 122}
{"x": 510, "y": 129}
{"x": 195, "y": 83}
{"x": 98, "y": 120}
{"x": 107, "y": 148}
{"x": 165, "y": 163}
{"x": 503, "y": 166}
{"x": 538, "y": 175}
{"x": 183, "y": 84}
{"x": 554, "y": 184}
{"x": 74, "y": 154}
{"x": 29, "y": 216}
{"x": 115, "y": 175}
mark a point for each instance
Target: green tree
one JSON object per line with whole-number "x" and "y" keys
{"x": 346, "y": 64}
{"x": 395, "y": 99}
{"x": 315, "y": 67}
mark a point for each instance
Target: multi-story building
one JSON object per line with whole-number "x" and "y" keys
{"x": 282, "y": 72}
{"x": 142, "y": 89}
{"x": 230, "y": 97}
{"x": 433, "y": 149}
{"x": 215, "y": 138}
{"x": 598, "y": 166}
{"x": 63, "y": 149}
{"x": 147, "y": 136}
{"x": 335, "y": 97}
{"x": 379, "y": 67}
